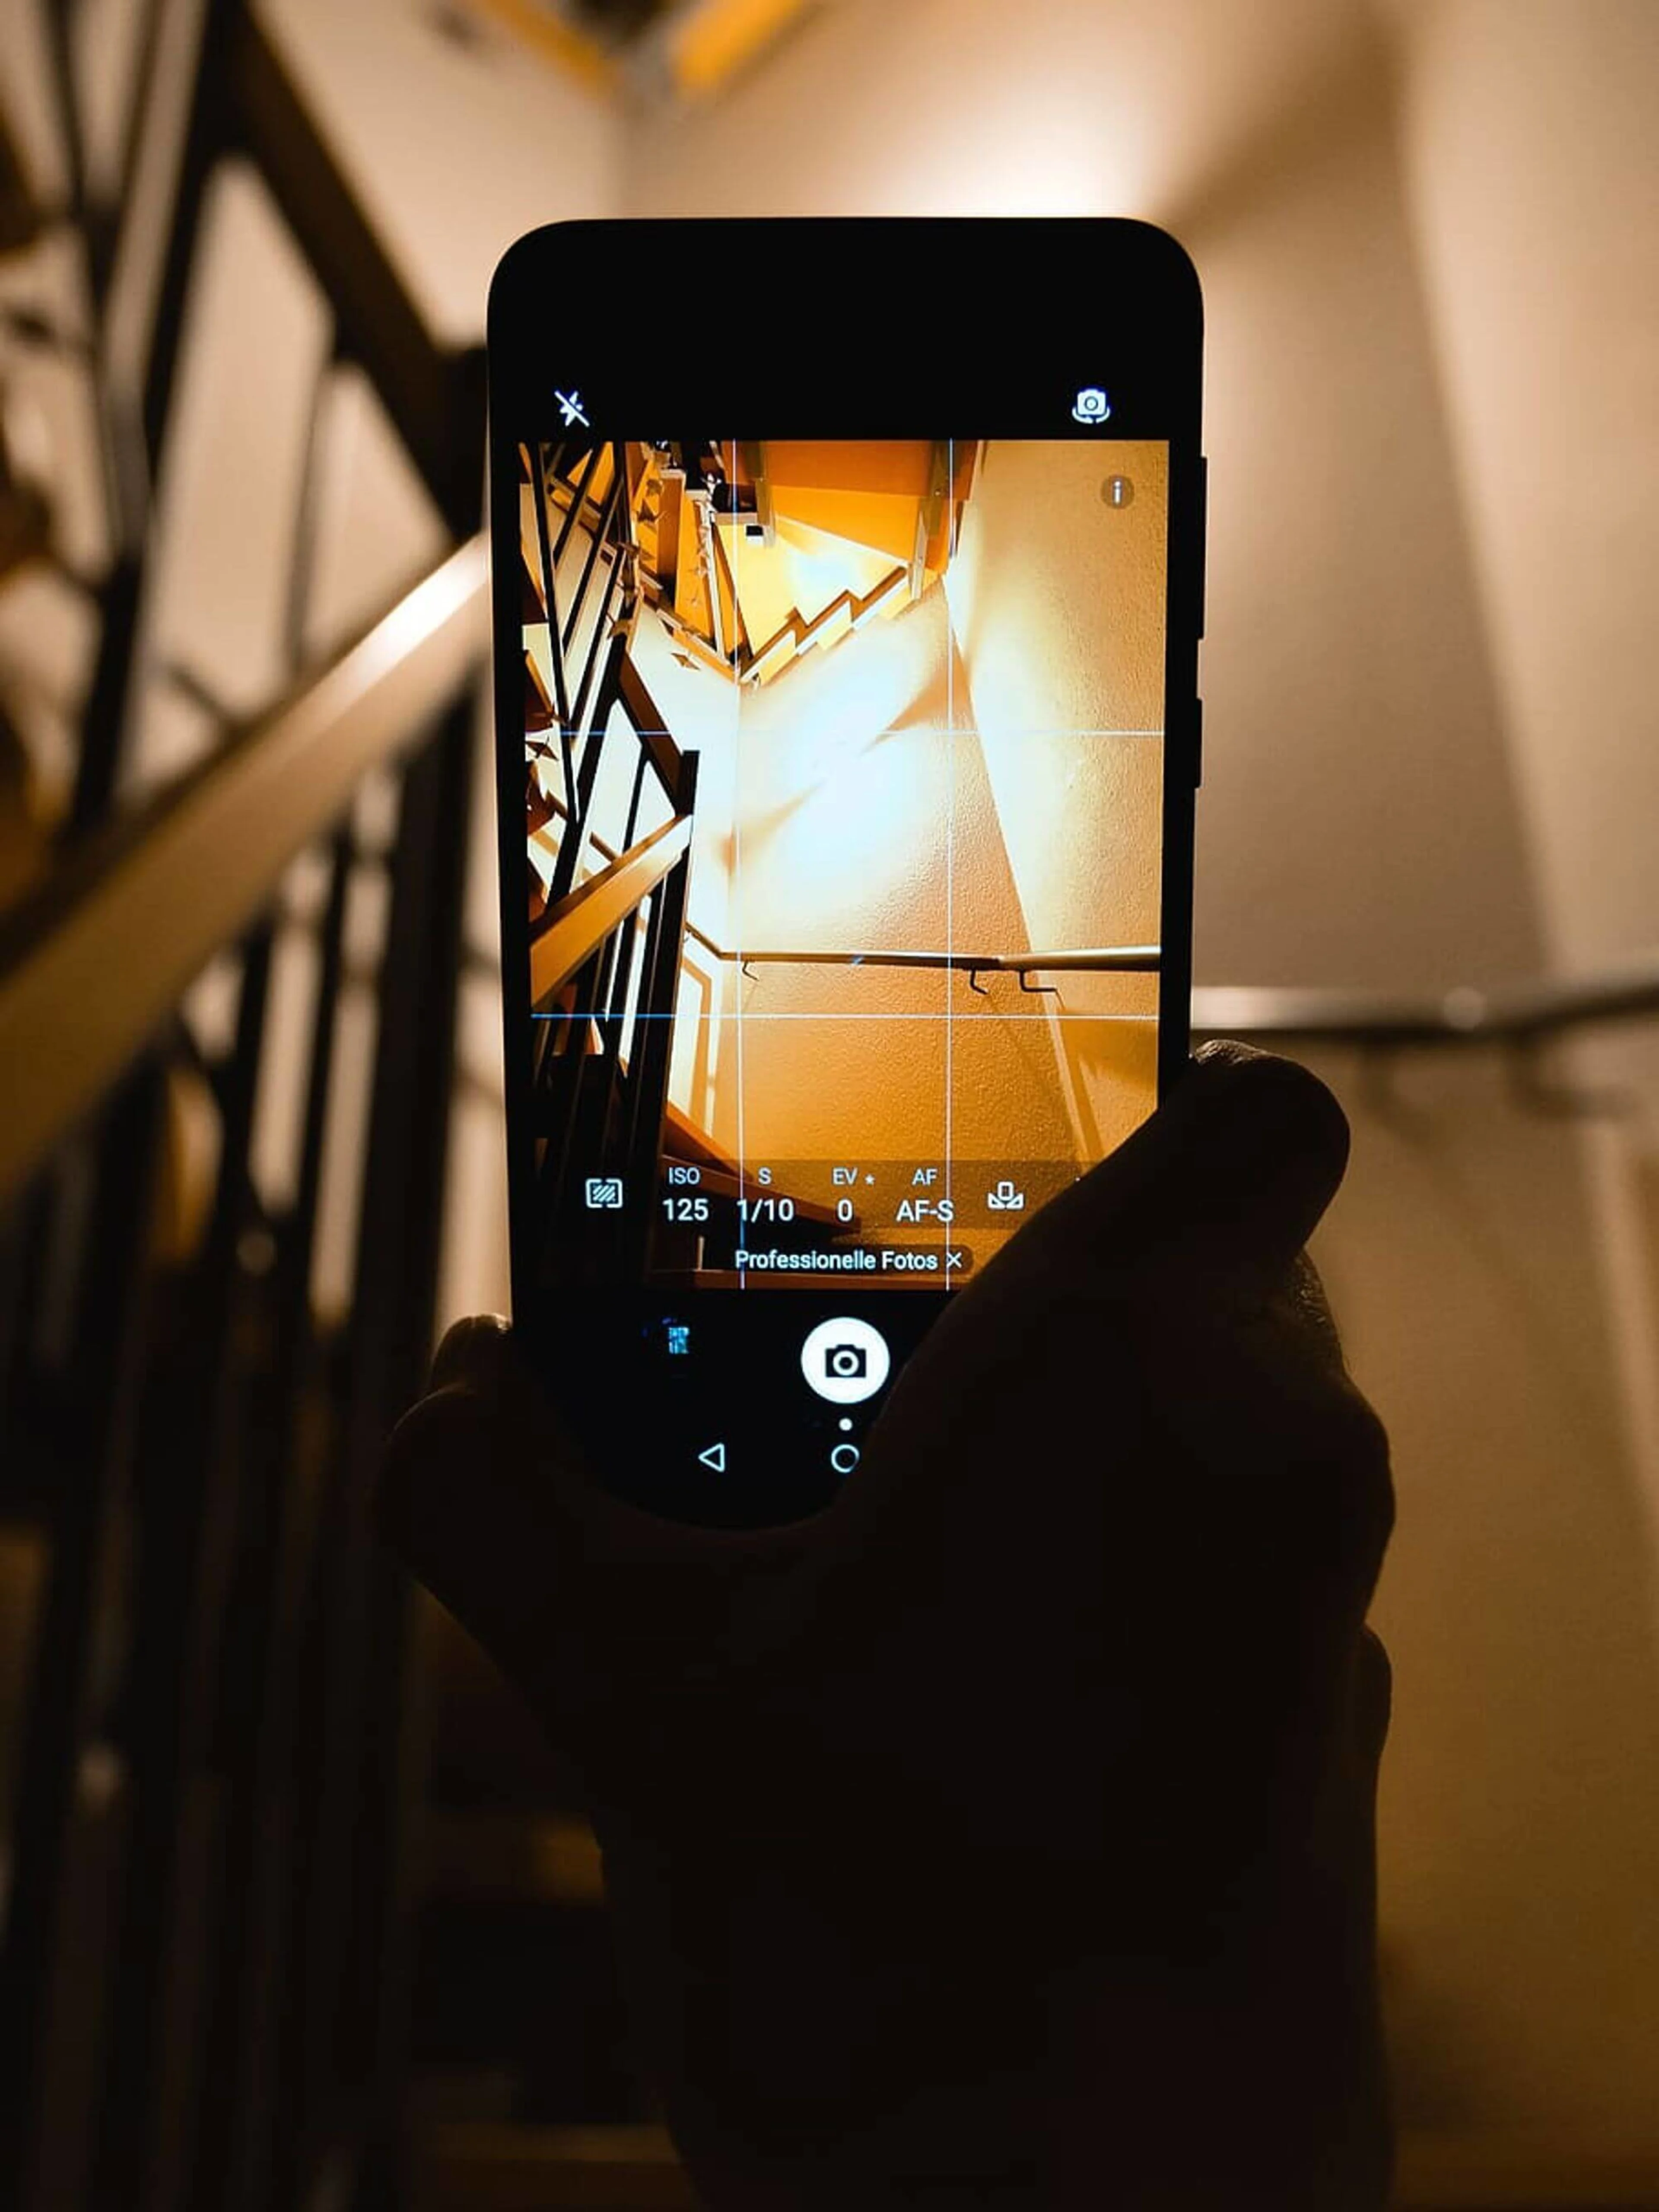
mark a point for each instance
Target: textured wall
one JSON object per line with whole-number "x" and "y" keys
{"x": 1391, "y": 576}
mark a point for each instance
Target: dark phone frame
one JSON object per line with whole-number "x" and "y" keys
{"x": 1131, "y": 319}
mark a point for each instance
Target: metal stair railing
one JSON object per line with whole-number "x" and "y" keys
{"x": 207, "y": 1929}
{"x": 605, "y": 954}
{"x": 1517, "y": 1015}
{"x": 94, "y": 966}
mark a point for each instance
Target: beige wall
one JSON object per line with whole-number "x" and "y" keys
{"x": 864, "y": 821}
{"x": 1056, "y": 598}
{"x": 1529, "y": 143}
{"x": 456, "y": 151}
{"x": 1520, "y": 1830}
{"x": 1529, "y": 155}
{"x": 1057, "y": 602}
{"x": 1371, "y": 815}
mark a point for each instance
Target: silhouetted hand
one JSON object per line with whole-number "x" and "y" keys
{"x": 1002, "y": 1836}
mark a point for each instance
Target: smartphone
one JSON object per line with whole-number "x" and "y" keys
{"x": 847, "y": 589}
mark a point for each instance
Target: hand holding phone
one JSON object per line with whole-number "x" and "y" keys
{"x": 1003, "y": 1835}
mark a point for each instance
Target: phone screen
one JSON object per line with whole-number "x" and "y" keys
{"x": 843, "y": 780}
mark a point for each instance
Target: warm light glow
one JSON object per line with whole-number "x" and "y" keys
{"x": 717, "y": 37}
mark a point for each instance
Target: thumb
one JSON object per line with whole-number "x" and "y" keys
{"x": 576, "y": 1595}
{"x": 459, "y": 1508}
{"x": 1227, "y": 1180}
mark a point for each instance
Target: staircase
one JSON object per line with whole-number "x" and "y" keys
{"x": 752, "y": 554}
{"x": 522, "y": 2091}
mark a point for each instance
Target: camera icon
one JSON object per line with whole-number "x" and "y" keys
{"x": 1092, "y": 405}
{"x": 845, "y": 1359}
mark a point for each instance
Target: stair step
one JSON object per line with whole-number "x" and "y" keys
{"x": 480, "y": 2166}
{"x": 484, "y": 2167}
{"x": 493, "y": 1853}
{"x": 683, "y": 1140}
{"x": 487, "y": 1748}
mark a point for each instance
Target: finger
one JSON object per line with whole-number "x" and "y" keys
{"x": 1285, "y": 1462}
{"x": 474, "y": 1354}
{"x": 475, "y": 1526}
{"x": 1373, "y": 1697}
{"x": 1227, "y": 1180}
{"x": 487, "y": 1497}
{"x": 1303, "y": 1308}
{"x": 1205, "y": 1207}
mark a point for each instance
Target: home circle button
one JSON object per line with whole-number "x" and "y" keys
{"x": 845, "y": 1360}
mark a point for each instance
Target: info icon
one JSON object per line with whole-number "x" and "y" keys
{"x": 845, "y": 1361}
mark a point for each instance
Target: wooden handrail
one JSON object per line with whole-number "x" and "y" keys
{"x": 1523, "y": 1014}
{"x": 1519, "y": 1014}
{"x": 1099, "y": 960}
{"x": 91, "y": 967}
{"x": 643, "y": 712}
{"x": 580, "y": 923}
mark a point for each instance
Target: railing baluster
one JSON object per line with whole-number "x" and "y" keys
{"x": 620, "y": 1030}
{"x": 599, "y": 539}
{"x": 186, "y": 1500}
{"x": 578, "y": 500}
{"x": 90, "y": 1493}
{"x": 579, "y": 716}
{"x": 567, "y": 1076}
{"x": 555, "y": 650}
{"x": 652, "y": 1048}
{"x": 234, "y": 2163}
{"x": 343, "y": 2026}
{"x": 133, "y": 426}
{"x": 653, "y": 1053}
{"x": 581, "y": 797}
{"x": 635, "y": 797}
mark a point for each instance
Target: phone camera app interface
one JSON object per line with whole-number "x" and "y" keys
{"x": 844, "y": 774}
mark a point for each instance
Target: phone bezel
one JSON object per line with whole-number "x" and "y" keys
{"x": 1130, "y": 317}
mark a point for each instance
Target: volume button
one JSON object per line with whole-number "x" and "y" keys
{"x": 1198, "y": 743}
{"x": 1201, "y": 535}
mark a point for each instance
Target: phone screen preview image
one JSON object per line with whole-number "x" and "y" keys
{"x": 843, "y": 775}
